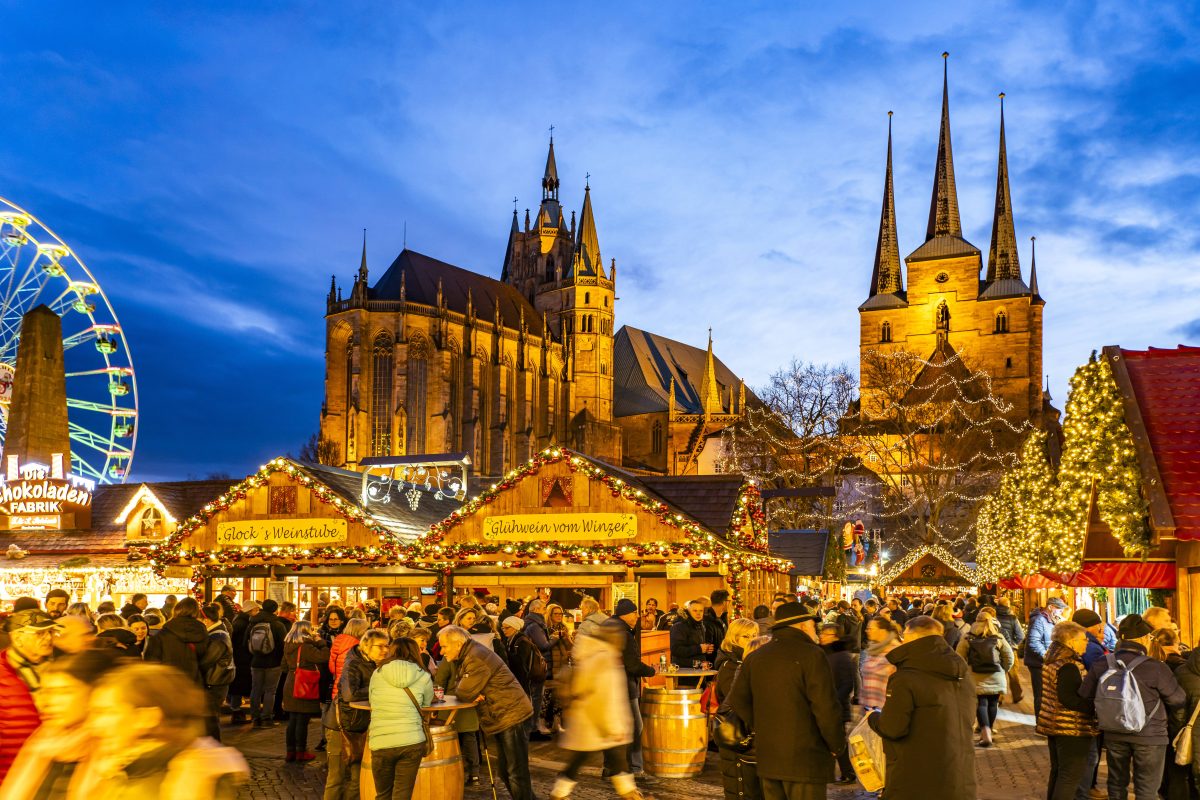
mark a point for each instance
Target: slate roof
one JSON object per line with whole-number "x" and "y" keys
{"x": 804, "y": 548}
{"x": 1166, "y": 389}
{"x": 643, "y": 365}
{"x": 943, "y": 247}
{"x": 421, "y": 274}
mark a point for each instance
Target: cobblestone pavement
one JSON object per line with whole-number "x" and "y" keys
{"x": 1015, "y": 769}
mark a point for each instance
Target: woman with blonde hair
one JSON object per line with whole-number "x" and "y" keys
{"x": 151, "y": 716}
{"x": 738, "y": 636}
{"x": 561, "y": 642}
{"x": 989, "y": 657}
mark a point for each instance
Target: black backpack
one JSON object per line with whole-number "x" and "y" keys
{"x": 983, "y": 654}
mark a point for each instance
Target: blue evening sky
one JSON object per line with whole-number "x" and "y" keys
{"x": 215, "y": 163}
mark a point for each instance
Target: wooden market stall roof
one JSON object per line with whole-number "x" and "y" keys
{"x": 931, "y": 565}
{"x": 806, "y": 550}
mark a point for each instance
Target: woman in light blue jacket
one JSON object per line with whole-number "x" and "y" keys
{"x": 396, "y": 736}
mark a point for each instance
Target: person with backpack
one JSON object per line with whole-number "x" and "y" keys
{"x": 989, "y": 657}
{"x": 264, "y": 640}
{"x": 217, "y": 667}
{"x": 1134, "y": 695}
{"x": 538, "y": 632}
{"x": 1014, "y": 634}
{"x": 183, "y": 641}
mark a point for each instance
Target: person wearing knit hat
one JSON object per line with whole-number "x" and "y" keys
{"x": 1137, "y": 756}
{"x": 1094, "y": 626}
{"x": 513, "y": 623}
{"x": 625, "y": 606}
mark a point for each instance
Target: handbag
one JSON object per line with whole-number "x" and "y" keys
{"x": 424, "y": 723}
{"x": 1183, "y": 740}
{"x": 354, "y": 742}
{"x": 306, "y": 685}
{"x": 729, "y": 731}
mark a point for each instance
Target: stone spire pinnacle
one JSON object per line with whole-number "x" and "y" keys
{"x": 508, "y": 251}
{"x": 362, "y": 267}
{"x": 1033, "y": 287}
{"x": 587, "y": 259}
{"x": 710, "y": 392}
{"x": 1003, "y": 259}
{"x": 550, "y": 178}
{"x": 886, "y": 277}
{"x": 943, "y": 206}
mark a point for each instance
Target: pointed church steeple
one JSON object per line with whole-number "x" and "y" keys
{"x": 586, "y": 260}
{"x": 1033, "y": 287}
{"x": 886, "y": 277}
{"x": 710, "y": 392}
{"x": 362, "y": 267}
{"x": 943, "y": 206}
{"x": 513, "y": 232}
{"x": 1003, "y": 260}
{"x": 550, "y": 178}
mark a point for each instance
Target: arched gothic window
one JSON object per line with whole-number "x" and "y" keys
{"x": 415, "y": 392}
{"x": 942, "y": 317}
{"x": 885, "y": 332}
{"x": 349, "y": 396}
{"x": 587, "y": 298}
{"x": 656, "y": 438}
{"x": 549, "y": 269}
{"x": 1001, "y": 322}
{"x": 381, "y": 396}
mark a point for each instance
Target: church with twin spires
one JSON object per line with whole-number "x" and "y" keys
{"x": 434, "y": 358}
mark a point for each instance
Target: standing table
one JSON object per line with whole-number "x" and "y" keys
{"x": 675, "y": 727}
{"x": 441, "y": 776}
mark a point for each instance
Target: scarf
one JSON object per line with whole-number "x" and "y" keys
{"x": 881, "y": 648}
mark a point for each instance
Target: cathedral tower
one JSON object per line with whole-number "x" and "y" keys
{"x": 993, "y": 322}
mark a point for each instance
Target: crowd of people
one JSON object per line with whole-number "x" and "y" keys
{"x": 128, "y": 703}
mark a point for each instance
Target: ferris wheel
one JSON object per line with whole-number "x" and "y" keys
{"x": 38, "y": 268}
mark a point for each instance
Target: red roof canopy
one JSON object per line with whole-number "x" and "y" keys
{"x": 1166, "y": 387}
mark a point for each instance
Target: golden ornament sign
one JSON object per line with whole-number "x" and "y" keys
{"x": 281, "y": 532}
{"x": 559, "y": 527}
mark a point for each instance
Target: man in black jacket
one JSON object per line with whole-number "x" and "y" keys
{"x": 265, "y": 667}
{"x": 624, "y": 620}
{"x": 1010, "y": 627}
{"x": 716, "y": 616}
{"x": 785, "y": 693}
{"x": 691, "y": 639}
{"x": 928, "y": 719}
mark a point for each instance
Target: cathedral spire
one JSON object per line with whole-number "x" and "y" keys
{"x": 508, "y": 251}
{"x": 710, "y": 392}
{"x": 943, "y": 206}
{"x": 587, "y": 244}
{"x": 550, "y": 178}
{"x": 886, "y": 277}
{"x": 362, "y": 267}
{"x": 1003, "y": 260}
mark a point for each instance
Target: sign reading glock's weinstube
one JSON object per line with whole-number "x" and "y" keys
{"x": 280, "y": 532}
{"x": 559, "y": 527}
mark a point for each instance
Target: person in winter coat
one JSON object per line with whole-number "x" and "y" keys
{"x": 303, "y": 648}
{"x": 524, "y": 659}
{"x": 1138, "y": 757}
{"x": 874, "y": 668}
{"x": 266, "y": 662}
{"x": 1037, "y": 642}
{"x": 951, "y": 632}
{"x": 593, "y": 722}
{"x": 623, "y": 621}
{"x": 690, "y": 639}
{"x": 989, "y": 658}
{"x": 739, "y": 773}
{"x": 1014, "y": 634}
{"x": 183, "y": 641}
{"x": 344, "y": 722}
{"x": 503, "y": 708}
{"x": 239, "y": 690}
{"x": 466, "y": 721}
{"x": 784, "y": 692}
{"x": 842, "y": 665}
{"x": 849, "y": 625}
{"x": 148, "y": 710}
{"x": 1093, "y": 627}
{"x": 398, "y": 690}
{"x": 716, "y": 616}
{"x": 538, "y": 632}
{"x": 593, "y": 617}
{"x": 927, "y": 720}
{"x": 50, "y": 757}
{"x": 561, "y": 643}
{"x": 343, "y": 643}
{"x": 31, "y": 643}
{"x": 1188, "y": 676}
{"x": 226, "y": 599}
{"x": 216, "y": 668}
{"x": 1066, "y": 719}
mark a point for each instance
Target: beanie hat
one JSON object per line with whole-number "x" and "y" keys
{"x": 514, "y": 622}
{"x": 625, "y": 606}
{"x": 1086, "y": 617}
{"x": 1134, "y": 627}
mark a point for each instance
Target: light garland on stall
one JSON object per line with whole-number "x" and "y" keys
{"x": 897, "y": 568}
{"x": 1018, "y": 524}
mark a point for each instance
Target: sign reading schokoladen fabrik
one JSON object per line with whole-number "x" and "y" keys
{"x": 281, "y": 532}
{"x": 559, "y": 527}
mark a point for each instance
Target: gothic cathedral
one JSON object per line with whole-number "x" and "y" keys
{"x": 993, "y": 323}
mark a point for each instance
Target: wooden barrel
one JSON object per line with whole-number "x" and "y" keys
{"x": 674, "y": 733}
{"x": 441, "y": 775}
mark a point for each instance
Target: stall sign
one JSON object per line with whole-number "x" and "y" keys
{"x": 679, "y": 572}
{"x": 559, "y": 527}
{"x": 278, "y": 591}
{"x": 623, "y": 591}
{"x": 39, "y": 497}
{"x": 281, "y": 532}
